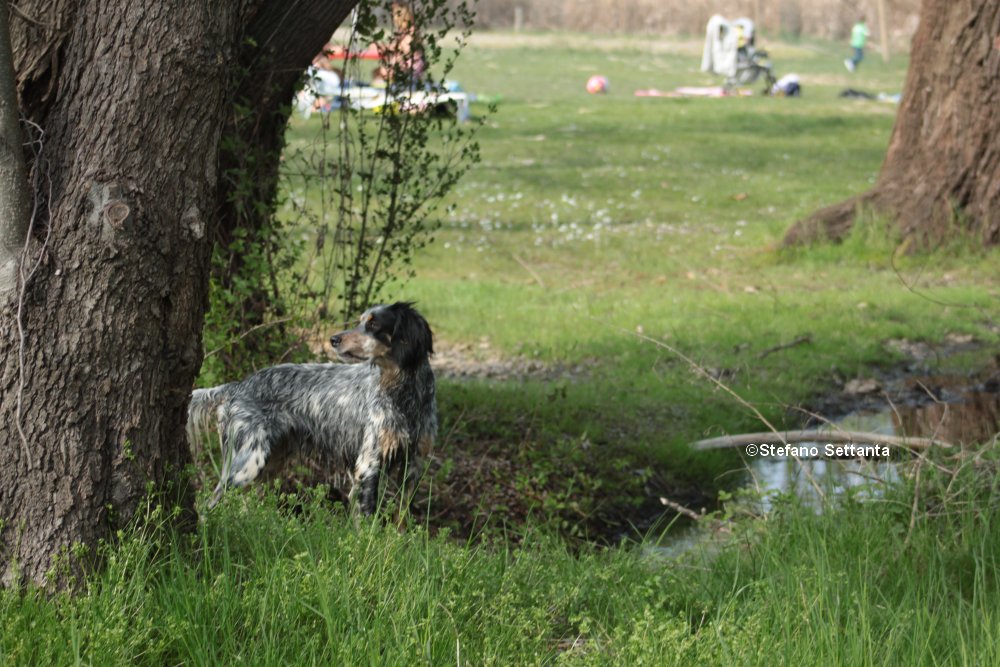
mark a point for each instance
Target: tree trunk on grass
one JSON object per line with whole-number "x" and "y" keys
{"x": 96, "y": 370}
{"x": 942, "y": 169}
{"x": 251, "y": 160}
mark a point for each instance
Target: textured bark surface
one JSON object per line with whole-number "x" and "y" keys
{"x": 942, "y": 167}
{"x": 15, "y": 200}
{"x": 281, "y": 41}
{"x": 133, "y": 99}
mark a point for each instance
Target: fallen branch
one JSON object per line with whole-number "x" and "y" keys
{"x": 801, "y": 340}
{"x": 680, "y": 509}
{"x": 831, "y": 437}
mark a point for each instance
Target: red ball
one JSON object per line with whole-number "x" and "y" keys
{"x": 597, "y": 84}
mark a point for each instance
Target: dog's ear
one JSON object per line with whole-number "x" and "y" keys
{"x": 412, "y": 341}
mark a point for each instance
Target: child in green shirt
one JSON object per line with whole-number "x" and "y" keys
{"x": 859, "y": 36}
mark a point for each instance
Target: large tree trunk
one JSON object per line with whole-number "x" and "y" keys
{"x": 99, "y": 359}
{"x": 942, "y": 169}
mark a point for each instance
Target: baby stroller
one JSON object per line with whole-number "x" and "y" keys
{"x": 730, "y": 52}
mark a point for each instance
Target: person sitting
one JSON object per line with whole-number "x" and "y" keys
{"x": 403, "y": 61}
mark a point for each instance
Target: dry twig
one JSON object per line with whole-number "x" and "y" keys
{"x": 801, "y": 340}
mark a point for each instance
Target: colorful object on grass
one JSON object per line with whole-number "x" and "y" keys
{"x": 597, "y": 84}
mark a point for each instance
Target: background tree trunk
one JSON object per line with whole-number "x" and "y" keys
{"x": 942, "y": 168}
{"x": 133, "y": 99}
{"x": 279, "y": 45}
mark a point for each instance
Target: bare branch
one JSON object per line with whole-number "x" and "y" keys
{"x": 801, "y": 340}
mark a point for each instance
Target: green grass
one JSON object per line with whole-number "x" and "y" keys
{"x": 628, "y": 213}
{"x": 868, "y": 583}
{"x": 593, "y": 217}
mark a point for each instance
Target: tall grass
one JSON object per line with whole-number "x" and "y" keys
{"x": 910, "y": 577}
{"x": 258, "y": 586}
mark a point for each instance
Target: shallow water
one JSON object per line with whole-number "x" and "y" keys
{"x": 969, "y": 418}
{"x": 960, "y": 417}
{"x": 813, "y": 479}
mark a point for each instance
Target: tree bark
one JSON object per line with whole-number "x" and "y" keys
{"x": 97, "y": 368}
{"x": 15, "y": 200}
{"x": 942, "y": 170}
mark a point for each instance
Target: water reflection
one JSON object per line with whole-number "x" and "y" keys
{"x": 959, "y": 417}
{"x": 971, "y": 419}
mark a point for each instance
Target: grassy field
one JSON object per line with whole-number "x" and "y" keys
{"x": 592, "y": 219}
{"x": 595, "y": 228}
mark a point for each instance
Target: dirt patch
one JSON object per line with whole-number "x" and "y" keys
{"x": 465, "y": 361}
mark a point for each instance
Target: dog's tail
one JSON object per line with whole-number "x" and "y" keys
{"x": 202, "y": 412}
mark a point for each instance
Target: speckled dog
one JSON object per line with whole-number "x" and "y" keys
{"x": 365, "y": 418}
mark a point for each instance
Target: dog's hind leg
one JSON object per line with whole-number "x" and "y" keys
{"x": 249, "y": 459}
{"x": 364, "y": 490}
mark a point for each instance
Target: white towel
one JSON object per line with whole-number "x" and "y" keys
{"x": 720, "y": 47}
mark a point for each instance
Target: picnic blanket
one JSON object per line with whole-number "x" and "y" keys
{"x": 693, "y": 91}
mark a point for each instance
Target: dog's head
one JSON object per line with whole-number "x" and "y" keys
{"x": 395, "y": 334}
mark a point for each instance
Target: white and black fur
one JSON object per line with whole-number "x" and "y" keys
{"x": 365, "y": 418}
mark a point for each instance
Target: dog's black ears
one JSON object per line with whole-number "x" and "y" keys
{"x": 412, "y": 341}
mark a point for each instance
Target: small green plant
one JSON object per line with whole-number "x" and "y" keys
{"x": 391, "y": 164}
